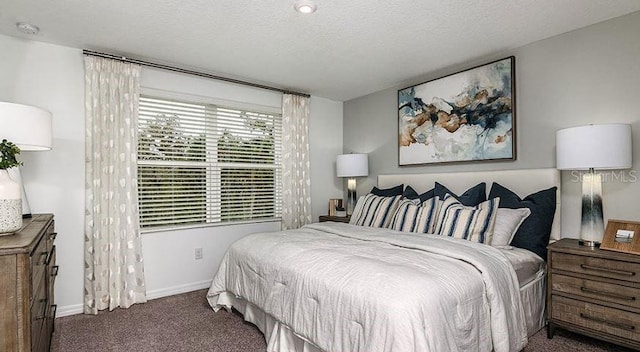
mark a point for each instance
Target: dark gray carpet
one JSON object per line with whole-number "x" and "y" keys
{"x": 183, "y": 322}
{"x": 186, "y": 323}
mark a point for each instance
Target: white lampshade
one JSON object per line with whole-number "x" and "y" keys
{"x": 28, "y": 127}
{"x": 352, "y": 165}
{"x": 605, "y": 146}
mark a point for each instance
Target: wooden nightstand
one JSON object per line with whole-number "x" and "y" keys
{"x": 324, "y": 218}
{"x": 594, "y": 292}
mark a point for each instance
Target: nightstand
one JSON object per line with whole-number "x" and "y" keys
{"x": 594, "y": 292}
{"x": 324, "y": 218}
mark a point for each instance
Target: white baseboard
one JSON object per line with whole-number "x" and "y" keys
{"x": 163, "y": 292}
{"x": 175, "y": 290}
{"x": 69, "y": 310}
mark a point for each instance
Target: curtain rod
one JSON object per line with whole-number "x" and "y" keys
{"x": 189, "y": 72}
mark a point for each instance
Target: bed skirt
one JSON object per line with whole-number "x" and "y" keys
{"x": 534, "y": 299}
{"x": 280, "y": 338}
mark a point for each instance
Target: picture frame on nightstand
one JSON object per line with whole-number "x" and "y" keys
{"x": 336, "y": 208}
{"x": 622, "y": 236}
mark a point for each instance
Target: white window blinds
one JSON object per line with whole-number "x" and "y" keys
{"x": 206, "y": 164}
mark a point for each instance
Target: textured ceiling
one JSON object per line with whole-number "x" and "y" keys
{"x": 345, "y": 50}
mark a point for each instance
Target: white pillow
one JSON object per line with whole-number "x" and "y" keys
{"x": 507, "y": 223}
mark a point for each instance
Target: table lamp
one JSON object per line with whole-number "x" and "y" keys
{"x": 593, "y": 147}
{"x": 29, "y": 128}
{"x": 352, "y": 166}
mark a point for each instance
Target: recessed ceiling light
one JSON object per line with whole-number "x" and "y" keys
{"x": 305, "y": 6}
{"x": 27, "y": 28}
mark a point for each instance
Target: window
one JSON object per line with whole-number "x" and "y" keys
{"x": 206, "y": 164}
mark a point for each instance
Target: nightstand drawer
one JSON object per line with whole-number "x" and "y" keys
{"x": 608, "y": 268}
{"x": 344, "y": 219}
{"x": 595, "y": 317}
{"x": 606, "y": 292}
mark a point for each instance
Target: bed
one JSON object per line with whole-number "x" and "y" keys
{"x": 342, "y": 287}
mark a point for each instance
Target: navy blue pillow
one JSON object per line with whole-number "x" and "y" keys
{"x": 472, "y": 197}
{"x": 535, "y": 231}
{"x": 411, "y": 193}
{"x": 388, "y": 192}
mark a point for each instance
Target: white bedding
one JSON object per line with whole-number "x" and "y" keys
{"x": 338, "y": 286}
{"x": 528, "y": 265}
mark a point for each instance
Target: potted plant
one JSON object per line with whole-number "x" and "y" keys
{"x": 10, "y": 195}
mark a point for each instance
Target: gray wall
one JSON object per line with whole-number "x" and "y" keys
{"x": 591, "y": 75}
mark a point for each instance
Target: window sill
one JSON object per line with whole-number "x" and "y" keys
{"x": 216, "y": 224}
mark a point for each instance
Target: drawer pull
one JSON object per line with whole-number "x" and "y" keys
{"x": 53, "y": 317}
{"x": 55, "y": 311}
{"x": 608, "y": 322}
{"x": 53, "y": 236}
{"x": 44, "y": 255}
{"x": 608, "y": 294}
{"x": 43, "y": 313}
{"x": 607, "y": 270}
{"x": 55, "y": 272}
{"x": 49, "y": 257}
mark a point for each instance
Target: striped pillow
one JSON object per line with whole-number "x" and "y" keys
{"x": 411, "y": 217}
{"x": 374, "y": 211}
{"x": 470, "y": 223}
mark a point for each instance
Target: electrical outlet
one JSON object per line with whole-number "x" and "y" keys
{"x": 198, "y": 253}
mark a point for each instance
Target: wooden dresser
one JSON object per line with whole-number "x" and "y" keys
{"x": 594, "y": 292}
{"x": 27, "y": 276}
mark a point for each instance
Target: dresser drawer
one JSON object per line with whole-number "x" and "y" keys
{"x": 53, "y": 272}
{"x": 596, "y": 317}
{"x": 628, "y": 296}
{"x": 50, "y": 235}
{"x": 38, "y": 314}
{"x": 608, "y": 268}
{"x": 48, "y": 327}
{"x": 38, "y": 260}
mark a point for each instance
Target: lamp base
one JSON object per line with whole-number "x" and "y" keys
{"x": 592, "y": 244}
{"x": 592, "y": 223}
{"x": 351, "y": 195}
{"x": 16, "y": 175}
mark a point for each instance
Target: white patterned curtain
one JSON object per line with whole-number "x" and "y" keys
{"x": 114, "y": 273}
{"x": 296, "y": 184}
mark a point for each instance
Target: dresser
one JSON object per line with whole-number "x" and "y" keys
{"x": 27, "y": 277}
{"x": 594, "y": 292}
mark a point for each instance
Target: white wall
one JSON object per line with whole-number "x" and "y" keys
{"x": 586, "y": 76}
{"x": 52, "y": 77}
{"x": 325, "y": 132}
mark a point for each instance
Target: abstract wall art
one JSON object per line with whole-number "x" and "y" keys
{"x": 466, "y": 116}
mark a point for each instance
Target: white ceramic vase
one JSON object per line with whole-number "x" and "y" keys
{"x": 10, "y": 205}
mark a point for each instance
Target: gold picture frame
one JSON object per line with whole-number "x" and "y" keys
{"x": 335, "y": 205}
{"x": 622, "y": 236}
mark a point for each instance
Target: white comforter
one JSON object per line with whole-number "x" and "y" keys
{"x": 350, "y": 288}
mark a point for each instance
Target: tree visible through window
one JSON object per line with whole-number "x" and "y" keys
{"x": 200, "y": 163}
